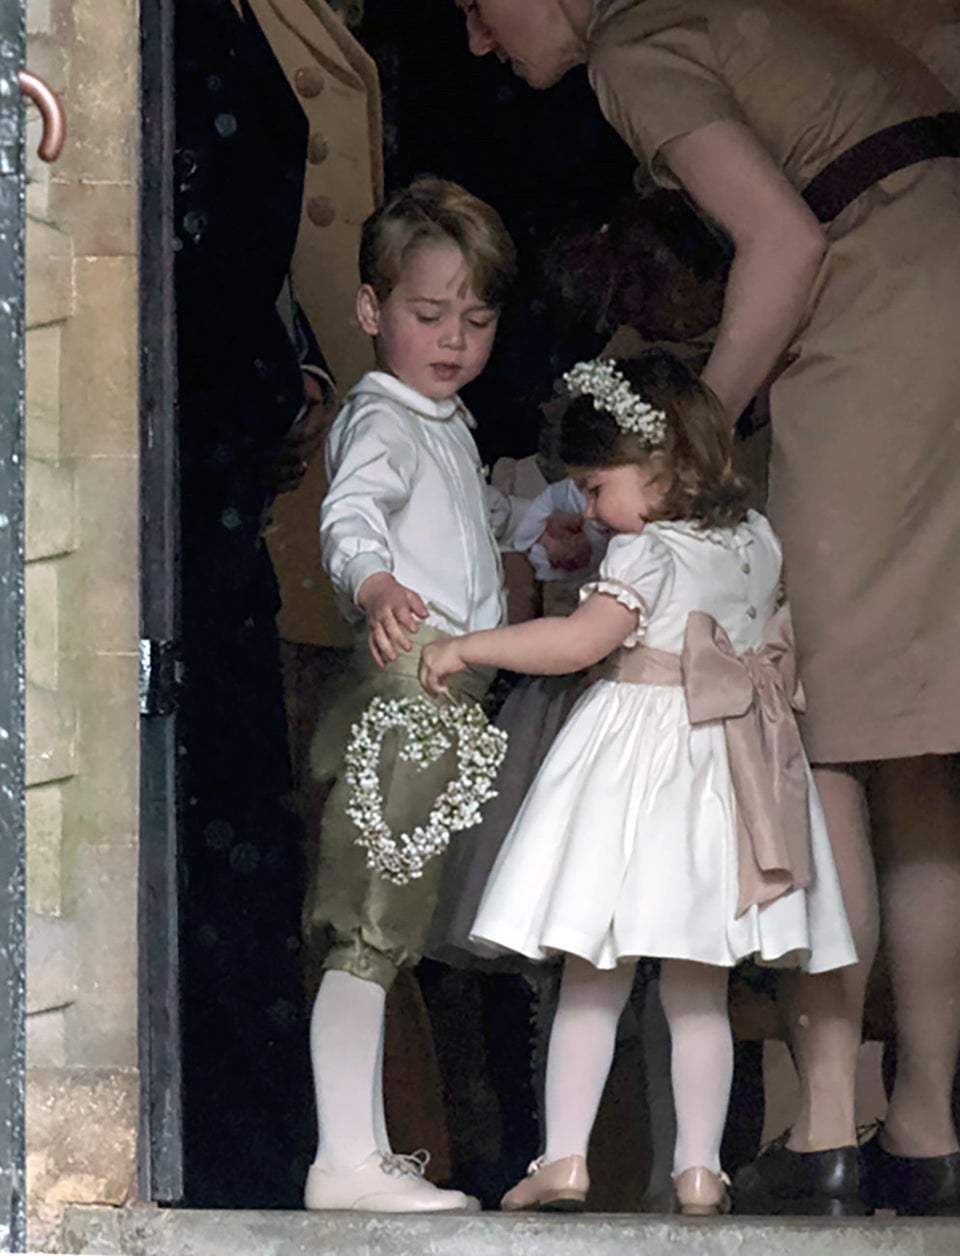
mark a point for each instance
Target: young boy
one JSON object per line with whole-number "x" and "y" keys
{"x": 408, "y": 542}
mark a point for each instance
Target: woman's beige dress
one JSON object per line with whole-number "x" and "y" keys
{"x": 865, "y": 465}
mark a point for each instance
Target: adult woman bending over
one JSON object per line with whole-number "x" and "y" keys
{"x": 831, "y": 168}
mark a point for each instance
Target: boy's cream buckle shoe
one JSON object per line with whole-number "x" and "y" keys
{"x": 560, "y": 1186}
{"x": 384, "y": 1182}
{"x": 701, "y": 1192}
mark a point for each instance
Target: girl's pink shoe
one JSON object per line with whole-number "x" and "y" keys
{"x": 560, "y": 1186}
{"x": 701, "y": 1193}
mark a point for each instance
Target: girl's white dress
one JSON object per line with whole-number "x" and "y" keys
{"x": 626, "y": 844}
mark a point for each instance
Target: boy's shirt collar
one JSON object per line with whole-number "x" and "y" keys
{"x": 388, "y": 385}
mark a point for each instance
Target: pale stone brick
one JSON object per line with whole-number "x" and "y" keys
{"x": 100, "y": 360}
{"x": 42, "y": 355}
{"x": 44, "y": 839}
{"x": 42, "y": 593}
{"x": 51, "y": 735}
{"x": 51, "y": 509}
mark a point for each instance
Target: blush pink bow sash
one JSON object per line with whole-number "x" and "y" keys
{"x": 755, "y": 695}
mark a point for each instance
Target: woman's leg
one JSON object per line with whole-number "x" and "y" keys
{"x": 581, "y": 1051}
{"x": 824, "y": 1011}
{"x": 694, "y": 998}
{"x": 916, "y": 816}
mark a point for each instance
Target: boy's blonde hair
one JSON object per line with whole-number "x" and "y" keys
{"x": 436, "y": 210}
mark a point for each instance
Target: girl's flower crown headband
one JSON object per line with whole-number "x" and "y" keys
{"x": 611, "y": 391}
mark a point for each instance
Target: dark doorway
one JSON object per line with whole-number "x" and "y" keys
{"x": 227, "y": 1095}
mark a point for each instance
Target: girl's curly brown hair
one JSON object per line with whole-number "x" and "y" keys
{"x": 698, "y": 449}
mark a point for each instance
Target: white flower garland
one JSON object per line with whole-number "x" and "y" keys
{"x": 429, "y": 729}
{"x": 611, "y": 391}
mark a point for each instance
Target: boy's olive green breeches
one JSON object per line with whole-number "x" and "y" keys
{"x": 362, "y": 923}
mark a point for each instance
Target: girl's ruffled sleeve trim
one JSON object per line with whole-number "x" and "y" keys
{"x": 627, "y": 596}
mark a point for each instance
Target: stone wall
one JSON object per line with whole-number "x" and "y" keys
{"x": 82, "y": 617}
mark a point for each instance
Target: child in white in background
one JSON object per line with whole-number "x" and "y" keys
{"x": 656, "y": 826}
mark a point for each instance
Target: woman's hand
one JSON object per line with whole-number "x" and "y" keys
{"x": 392, "y": 611}
{"x": 305, "y": 438}
{"x": 439, "y": 660}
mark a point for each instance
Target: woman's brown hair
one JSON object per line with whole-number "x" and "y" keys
{"x": 697, "y": 451}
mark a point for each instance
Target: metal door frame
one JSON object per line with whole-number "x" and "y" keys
{"x": 160, "y": 1158}
{"x": 12, "y": 683}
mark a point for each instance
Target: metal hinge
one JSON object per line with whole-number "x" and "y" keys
{"x": 160, "y": 675}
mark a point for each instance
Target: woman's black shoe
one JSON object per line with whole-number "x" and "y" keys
{"x": 921, "y": 1186}
{"x": 785, "y": 1183}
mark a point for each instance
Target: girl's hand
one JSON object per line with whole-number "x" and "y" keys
{"x": 392, "y": 611}
{"x": 438, "y": 660}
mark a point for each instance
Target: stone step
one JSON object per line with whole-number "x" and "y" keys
{"x": 150, "y": 1231}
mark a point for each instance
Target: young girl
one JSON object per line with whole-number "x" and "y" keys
{"x": 675, "y": 815}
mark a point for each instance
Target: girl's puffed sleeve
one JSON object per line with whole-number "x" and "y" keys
{"x": 638, "y": 571}
{"x": 654, "y": 86}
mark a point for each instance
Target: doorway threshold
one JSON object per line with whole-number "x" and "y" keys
{"x": 152, "y": 1231}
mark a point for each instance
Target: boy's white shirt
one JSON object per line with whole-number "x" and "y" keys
{"x": 408, "y": 495}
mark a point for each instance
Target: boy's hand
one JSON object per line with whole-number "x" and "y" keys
{"x": 392, "y": 611}
{"x": 438, "y": 660}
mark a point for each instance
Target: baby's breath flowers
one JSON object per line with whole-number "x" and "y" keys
{"x": 611, "y": 391}
{"x": 430, "y": 731}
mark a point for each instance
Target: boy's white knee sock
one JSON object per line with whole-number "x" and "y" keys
{"x": 346, "y": 1043}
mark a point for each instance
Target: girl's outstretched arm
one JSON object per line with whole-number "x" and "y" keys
{"x": 541, "y": 647}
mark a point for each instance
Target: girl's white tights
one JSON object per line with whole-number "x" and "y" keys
{"x": 346, "y": 1052}
{"x": 582, "y": 1042}
{"x": 581, "y": 1051}
{"x": 694, "y": 998}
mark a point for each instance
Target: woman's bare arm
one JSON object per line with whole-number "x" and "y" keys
{"x": 779, "y": 247}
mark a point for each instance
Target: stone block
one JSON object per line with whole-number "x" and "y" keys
{"x": 100, "y": 218}
{"x": 47, "y": 58}
{"x": 103, "y": 37}
{"x": 42, "y": 617}
{"x": 100, "y": 360}
{"x": 38, "y": 19}
{"x": 100, "y": 582}
{"x": 101, "y": 1027}
{"x": 49, "y": 274}
{"x": 176, "y": 1232}
{"x": 44, "y": 840}
{"x": 51, "y": 735}
{"x": 51, "y": 510}
{"x": 81, "y": 1145}
{"x": 43, "y": 391}
{"x": 51, "y": 963}
{"x": 101, "y": 802}
{"x": 47, "y": 1039}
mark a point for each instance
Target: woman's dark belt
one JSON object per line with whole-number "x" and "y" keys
{"x": 872, "y": 159}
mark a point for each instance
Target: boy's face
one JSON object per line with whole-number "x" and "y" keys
{"x": 433, "y": 332}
